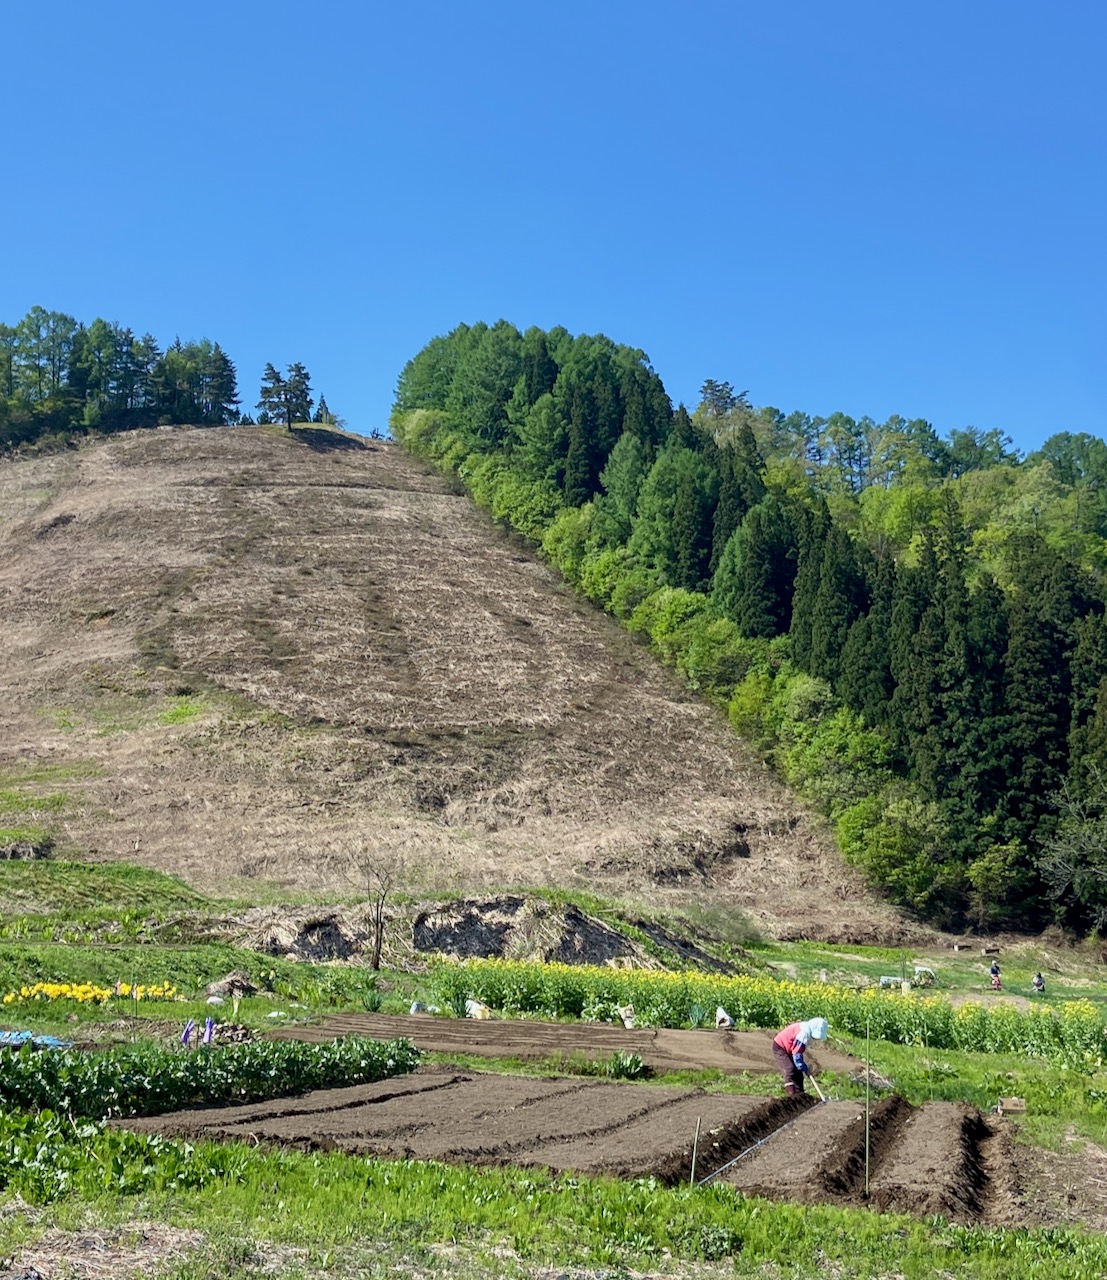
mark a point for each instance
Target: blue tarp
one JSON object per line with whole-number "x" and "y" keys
{"x": 17, "y": 1039}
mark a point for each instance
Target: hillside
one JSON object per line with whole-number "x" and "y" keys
{"x": 240, "y": 654}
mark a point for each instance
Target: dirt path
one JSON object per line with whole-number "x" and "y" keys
{"x": 661, "y": 1049}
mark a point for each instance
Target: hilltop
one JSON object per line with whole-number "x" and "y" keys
{"x": 245, "y": 654}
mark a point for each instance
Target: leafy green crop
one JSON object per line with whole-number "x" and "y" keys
{"x": 148, "y": 1080}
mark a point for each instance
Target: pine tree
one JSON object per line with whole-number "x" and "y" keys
{"x": 539, "y": 367}
{"x": 1050, "y": 596}
{"x": 763, "y": 606}
{"x": 298, "y": 400}
{"x": 683, "y": 431}
{"x": 1089, "y": 675}
{"x": 865, "y": 681}
{"x": 272, "y": 401}
{"x": 221, "y": 391}
{"x": 839, "y": 600}
{"x": 729, "y": 510}
{"x": 813, "y": 530}
{"x": 691, "y": 534}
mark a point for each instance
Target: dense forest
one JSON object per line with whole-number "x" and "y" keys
{"x": 59, "y": 378}
{"x": 910, "y": 627}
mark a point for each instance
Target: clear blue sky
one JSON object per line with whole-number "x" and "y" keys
{"x": 871, "y": 207}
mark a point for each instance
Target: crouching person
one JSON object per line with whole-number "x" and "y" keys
{"x": 789, "y": 1046}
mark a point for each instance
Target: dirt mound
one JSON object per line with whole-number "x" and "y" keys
{"x": 519, "y": 928}
{"x": 302, "y": 935}
{"x": 244, "y": 649}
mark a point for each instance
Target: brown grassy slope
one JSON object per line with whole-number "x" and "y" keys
{"x": 402, "y": 676}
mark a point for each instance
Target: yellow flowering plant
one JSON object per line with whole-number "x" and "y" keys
{"x": 89, "y": 993}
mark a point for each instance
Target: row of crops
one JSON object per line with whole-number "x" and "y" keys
{"x": 1070, "y": 1033}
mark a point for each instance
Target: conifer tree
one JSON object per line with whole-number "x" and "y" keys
{"x": 691, "y": 534}
{"x": 812, "y": 531}
{"x": 1089, "y": 680}
{"x": 839, "y": 600}
{"x": 763, "y": 605}
{"x": 865, "y": 681}
{"x": 683, "y": 431}
{"x": 539, "y": 367}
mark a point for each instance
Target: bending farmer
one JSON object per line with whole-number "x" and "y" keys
{"x": 788, "y": 1050}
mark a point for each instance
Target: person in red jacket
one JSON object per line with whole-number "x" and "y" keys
{"x": 788, "y": 1050}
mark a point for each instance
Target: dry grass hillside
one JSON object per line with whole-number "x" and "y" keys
{"x": 244, "y": 653}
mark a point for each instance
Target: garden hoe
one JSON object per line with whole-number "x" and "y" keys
{"x": 755, "y": 1146}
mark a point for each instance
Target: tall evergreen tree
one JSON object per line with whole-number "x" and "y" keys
{"x": 272, "y": 400}
{"x": 813, "y": 532}
{"x": 539, "y": 367}
{"x": 840, "y": 599}
{"x": 865, "y": 681}
{"x": 1089, "y": 678}
{"x": 763, "y": 605}
{"x": 691, "y": 534}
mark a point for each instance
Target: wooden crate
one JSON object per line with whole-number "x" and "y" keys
{"x": 1010, "y": 1106}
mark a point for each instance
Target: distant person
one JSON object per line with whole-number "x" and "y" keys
{"x": 1039, "y": 983}
{"x": 997, "y": 981}
{"x": 788, "y": 1050}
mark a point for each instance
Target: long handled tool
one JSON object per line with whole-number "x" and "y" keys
{"x": 755, "y": 1146}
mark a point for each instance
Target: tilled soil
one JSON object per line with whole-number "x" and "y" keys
{"x": 661, "y": 1049}
{"x": 924, "y": 1161}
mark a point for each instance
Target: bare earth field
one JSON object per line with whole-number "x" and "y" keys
{"x": 661, "y": 1049}
{"x": 933, "y": 1159}
{"x": 242, "y": 653}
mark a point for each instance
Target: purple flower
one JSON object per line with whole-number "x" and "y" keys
{"x": 209, "y": 1031}
{"x": 186, "y": 1034}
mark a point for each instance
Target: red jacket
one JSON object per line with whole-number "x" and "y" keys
{"x": 790, "y": 1043}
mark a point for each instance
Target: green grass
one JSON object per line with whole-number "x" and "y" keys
{"x": 20, "y": 802}
{"x": 48, "y": 774}
{"x": 181, "y": 709}
{"x": 188, "y": 968}
{"x": 329, "y": 1207}
{"x": 1072, "y": 973}
{"x": 62, "y": 888}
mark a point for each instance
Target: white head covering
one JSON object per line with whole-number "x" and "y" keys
{"x": 817, "y": 1028}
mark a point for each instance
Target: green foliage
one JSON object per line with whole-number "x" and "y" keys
{"x": 407, "y": 1209}
{"x": 188, "y": 967}
{"x": 59, "y": 379}
{"x": 46, "y": 1156}
{"x": 1071, "y": 1034}
{"x": 181, "y": 710}
{"x": 147, "y": 1080}
{"x": 945, "y": 598}
{"x": 58, "y": 887}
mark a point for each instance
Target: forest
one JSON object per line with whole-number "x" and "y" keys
{"x": 910, "y": 627}
{"x": 59, "y": 377}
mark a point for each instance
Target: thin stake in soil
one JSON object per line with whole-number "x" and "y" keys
{"x": 868, "y": 1086}
{"x": 695, "y": 1150}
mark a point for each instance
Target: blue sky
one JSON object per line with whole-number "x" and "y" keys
{"x": 868, "y": 207}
